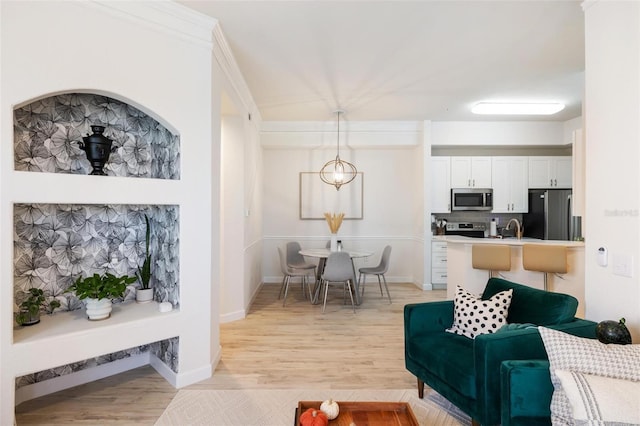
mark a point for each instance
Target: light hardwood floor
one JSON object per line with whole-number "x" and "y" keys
{"x": 272, "y": 348}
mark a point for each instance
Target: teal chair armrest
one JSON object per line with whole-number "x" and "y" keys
{"x": 520, "y": 344}
{"x": 489, "y": 352}
{"x": 425, "y": 318}
{"x": 526, "y": 392}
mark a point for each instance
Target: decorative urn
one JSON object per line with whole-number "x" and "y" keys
{"x": 98, "y": 148}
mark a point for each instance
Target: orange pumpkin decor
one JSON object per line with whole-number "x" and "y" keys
{"x": 313, "y": 417}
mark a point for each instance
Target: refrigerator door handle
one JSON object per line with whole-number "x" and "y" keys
{"x": 570, "y": 230}
{"x": 546, "y": 215}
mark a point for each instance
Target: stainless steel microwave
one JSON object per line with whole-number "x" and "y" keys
{"x": 471, "y": 199}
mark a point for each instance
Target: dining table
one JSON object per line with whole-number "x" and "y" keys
{"x": 323, "y": 253}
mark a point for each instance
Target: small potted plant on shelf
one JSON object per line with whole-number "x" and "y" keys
{"x": 145, "y": 293}
{"x": 29, "y": 313}
{"x": 99, "y": 290}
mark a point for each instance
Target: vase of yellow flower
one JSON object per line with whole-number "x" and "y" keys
{"x": 334, "y": 221}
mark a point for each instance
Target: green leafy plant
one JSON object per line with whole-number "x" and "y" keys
{"x": 106, "y": 286}
{"x": 30, "y": 308}
{"x": 144, "y": 272}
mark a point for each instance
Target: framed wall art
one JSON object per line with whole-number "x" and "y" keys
{"x": 316, "y": 197}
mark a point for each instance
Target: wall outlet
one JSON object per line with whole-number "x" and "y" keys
{"x": 623, "y": 265}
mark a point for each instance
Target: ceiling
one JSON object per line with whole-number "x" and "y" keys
{"x": 404, "y": 60}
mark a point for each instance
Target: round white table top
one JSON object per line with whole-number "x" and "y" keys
{"x": 324, "y": 252}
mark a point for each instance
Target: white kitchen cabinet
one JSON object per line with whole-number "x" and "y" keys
{"x": 471, "y": 172}
{"x": 550, "y": 172}
{"x": 510, "y": 184}
{"x": 439, "y": 264}
{"x": 440, "y": 185}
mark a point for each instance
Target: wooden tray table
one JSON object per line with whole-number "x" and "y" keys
{"x": 377, "y": 413}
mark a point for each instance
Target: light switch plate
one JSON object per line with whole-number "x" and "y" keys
{"x": 623, "y": 265}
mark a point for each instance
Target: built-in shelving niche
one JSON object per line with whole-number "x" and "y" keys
{"x": 47, "y": 132}
{"x": 55, "y": 243}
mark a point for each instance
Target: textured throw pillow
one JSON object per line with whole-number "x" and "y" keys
{"x": 473, "y": 316}
{"x": 601, "y": 400}
{"x": 587, "y": 356}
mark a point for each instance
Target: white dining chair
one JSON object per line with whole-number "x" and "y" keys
{"x": 290, "y": 273}
{"x": 378, "y": 271}
{"x": 338, "y": 269}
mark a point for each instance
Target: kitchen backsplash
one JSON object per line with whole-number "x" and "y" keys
{"x": 501, "y": 218}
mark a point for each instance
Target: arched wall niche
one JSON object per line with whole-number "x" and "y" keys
{"x": 47, "y": 130}
{"x": 57, "y": 242}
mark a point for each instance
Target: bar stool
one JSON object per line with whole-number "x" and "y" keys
{"x": 491, "y": 257}
{"x": 545, "y": 258}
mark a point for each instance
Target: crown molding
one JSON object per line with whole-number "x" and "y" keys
{"x": 224, "y": 56}
{"x": 165, "y": 16}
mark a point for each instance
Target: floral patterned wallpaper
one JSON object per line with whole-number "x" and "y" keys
{"x": 54, "y": 244}
{"x": 47, "y": 132}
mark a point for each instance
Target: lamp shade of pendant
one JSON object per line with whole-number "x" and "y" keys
{"x": 338, "y": 172}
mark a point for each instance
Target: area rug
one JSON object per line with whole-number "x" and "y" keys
{"x": 276, "y": 407}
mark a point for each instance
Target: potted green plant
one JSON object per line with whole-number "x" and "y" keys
{"x": 145, "y": 293}
{"x": 98, "y": 290}
{"x": 29, "y": 313}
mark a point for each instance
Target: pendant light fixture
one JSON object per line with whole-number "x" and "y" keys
{"x": 338, "y": 172}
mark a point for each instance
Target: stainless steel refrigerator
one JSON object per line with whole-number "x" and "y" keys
{"x": 549, "y": 216}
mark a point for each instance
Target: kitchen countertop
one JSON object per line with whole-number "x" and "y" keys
{"x": 459, "y": 239}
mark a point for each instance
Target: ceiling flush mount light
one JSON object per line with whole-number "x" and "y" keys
{"x": 338, "y": 172}
{"x": 518, "y": 108}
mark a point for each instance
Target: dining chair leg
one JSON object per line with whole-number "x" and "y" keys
{"x": 354, "y": 281}
{"x": 380, "y": 285}
{"x": 316, "y": 293}
{"x": 353, "y": 305}
{"x": 361, "y": 281}
{"x": 286, "y": 290}
{"x": 326, "y": 290}
{"x": 387, "y": 288}
{"x": 309, "y": 290}
{"x": 282, "y": 287}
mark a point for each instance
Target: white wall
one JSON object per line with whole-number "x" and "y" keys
{"x": 241, "y": 225}
{"x": 232, "y": 223}
{"x": 612, "y": 130}
{"x": 498, "y": 133}
{"x": 52, "y": 47}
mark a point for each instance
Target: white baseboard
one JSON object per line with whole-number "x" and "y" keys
{"x": 180, "y": 380}
{"x": 193, "y": 376}
{"x": 81, "y": 377}
{"x": 233, "y": 316}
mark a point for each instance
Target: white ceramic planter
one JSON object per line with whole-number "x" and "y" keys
{"x": 98, "y": 309}
{"x": 144, "y": 295}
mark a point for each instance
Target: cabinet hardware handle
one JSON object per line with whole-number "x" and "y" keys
{"x": 469, "y": 182}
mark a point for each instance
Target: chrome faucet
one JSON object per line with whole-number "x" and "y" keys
{"x": 518, "y": 227}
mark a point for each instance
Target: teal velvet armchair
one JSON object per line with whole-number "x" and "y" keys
{"x": 467, "y": 371}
